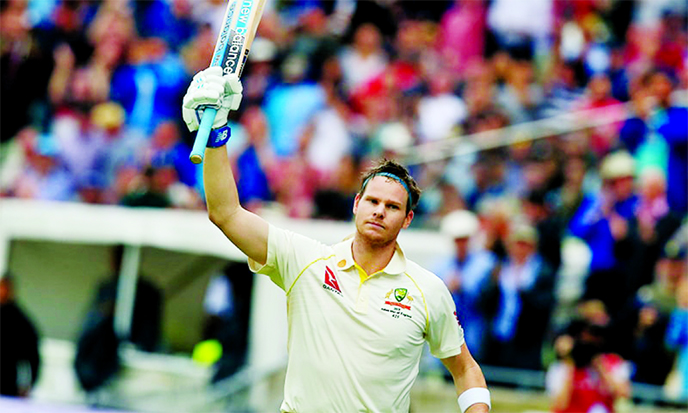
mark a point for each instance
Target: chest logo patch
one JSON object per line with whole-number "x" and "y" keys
{"x": 331, "y": 281}
{"x": 400, "y": 307}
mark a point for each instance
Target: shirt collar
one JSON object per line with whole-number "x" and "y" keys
{"x": 345, "y": 258}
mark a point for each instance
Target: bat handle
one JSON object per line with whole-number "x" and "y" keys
{"x": 202, "y": 135}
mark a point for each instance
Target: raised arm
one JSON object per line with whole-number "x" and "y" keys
{"x": 246, "y": 230}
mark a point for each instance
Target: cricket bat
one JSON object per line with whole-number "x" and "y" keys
{"x": 231, "y": 51}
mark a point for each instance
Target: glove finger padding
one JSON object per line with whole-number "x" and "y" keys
{"x": 234, "y": 89}
{"x": 210, "y": 88}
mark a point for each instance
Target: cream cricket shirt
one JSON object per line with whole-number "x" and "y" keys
{"x": 355, "y": 342}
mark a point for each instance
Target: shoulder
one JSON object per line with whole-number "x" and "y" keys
{"x": 284, "y": 239}
{"x": 425, "y": 278}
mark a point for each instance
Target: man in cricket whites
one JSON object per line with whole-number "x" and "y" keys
{"x": 359, "y": 312}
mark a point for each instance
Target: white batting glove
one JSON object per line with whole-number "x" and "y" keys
{"x": 210, "y": 88}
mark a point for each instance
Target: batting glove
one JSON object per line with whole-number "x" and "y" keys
{"x": 209, "y": 88}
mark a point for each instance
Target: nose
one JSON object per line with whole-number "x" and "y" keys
{"x": 379, "y": 211}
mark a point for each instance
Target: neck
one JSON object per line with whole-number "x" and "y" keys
{"x": 372, "y": 257}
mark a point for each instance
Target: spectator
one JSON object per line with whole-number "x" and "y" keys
{"x": 295, "y": 90}
{"x": 150, "y": 189}
{"x": 638, "y": 133}
{"x": 150, "y": 85}
{"x": 599, "y": 102}
{"x": 495, "y": 214}
{"x": 619, "y": 74}
{"x": 672, "y": 127}
{"x": 226, "y": 305}
{"x": 520, "y": 96}
{"x": 652, "y": 224}
{"x": 119, "y": 146}
{"x": 467, "y": 272}
{"x": 677, "y": 340}
{"x": 333, "y": 200}
{"x": 25, "y": 70}
{"x": 441, "y": 111}
{"x": 312, "y": 37}
{"x": 549, "y": 227}
{"x": 562, "y": 90}
{"x": 586, "y": 377}
{"x": 260, "y": 73}
{"x": 364, "y": 58}
{"x": 97, "y": 360}
{"x": 327, "y": 138}
{"x": 44, "y": 175}
{"x": 66, "y": 24}
{"x": 650, "y": 312}
{"x": 166, "y": 149}
{"x": 567, "y": 198}
{"x": 514, "y": 29}
{"x": 172, "y": 20}
{"x": 462, "y": 34}
{"x": 602, "y": 222}
{"x": 20, "y": 359}
{"x": 522, "y": 293}
{"x": 254, "y": 165}
{"x": 671, "y": 53}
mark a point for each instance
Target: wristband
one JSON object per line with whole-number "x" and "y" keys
{"x": 219, "y": 137}
{"x": 472, "y": 396}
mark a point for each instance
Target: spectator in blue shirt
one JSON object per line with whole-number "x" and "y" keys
{"x": 602, "y": 222}
{"x": 466, "y": 273}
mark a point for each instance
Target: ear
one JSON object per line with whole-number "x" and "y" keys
{"x": 358, "y": 198}
{"x": 408, "y": 219}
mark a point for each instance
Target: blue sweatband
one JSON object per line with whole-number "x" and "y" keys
{"x": 218, "y": 137}
{"x": 391, "y": 176}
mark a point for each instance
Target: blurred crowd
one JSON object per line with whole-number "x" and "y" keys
{"x": 91, "y": 112}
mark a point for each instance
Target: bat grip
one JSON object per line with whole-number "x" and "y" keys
{"x": 201, "y": 140}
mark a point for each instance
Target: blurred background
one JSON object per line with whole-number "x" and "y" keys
{"x": 550, "y": 138}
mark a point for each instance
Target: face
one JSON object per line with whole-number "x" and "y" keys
{"x": 661, "y": 86}
{"x": 461, "y": 247}
{"x": 380, "y": 211}
{"x": 622, "y": 188}
{"x": 520, "y": 251}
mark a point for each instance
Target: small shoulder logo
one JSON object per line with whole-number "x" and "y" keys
{"x": 331, "y": 281}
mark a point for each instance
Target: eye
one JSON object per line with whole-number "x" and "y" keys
{"x": 394, "y": 206}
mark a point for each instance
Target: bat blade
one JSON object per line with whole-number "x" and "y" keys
{"x": 231, "y": 52}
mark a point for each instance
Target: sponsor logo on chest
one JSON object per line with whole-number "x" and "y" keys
{"x": 330, "y": 283}
{"x": 397, "y": 303}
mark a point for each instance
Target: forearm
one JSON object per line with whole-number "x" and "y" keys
{"x": 618, "y": 388}
{"x": 467, "y": 375}
{"x": 562, "y": 398}
{"x": 221, "y": 195}
{"x": 472, "y": 378}
{"x": 244, "y": 229}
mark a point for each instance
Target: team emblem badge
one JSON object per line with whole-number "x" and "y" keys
{"x": 400, "y": 294}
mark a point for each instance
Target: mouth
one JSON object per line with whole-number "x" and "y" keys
{"x": 375, "y": 224}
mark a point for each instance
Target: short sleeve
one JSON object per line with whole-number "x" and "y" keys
{"x": 288, "y": 254}
{"x": 444, "y": 334}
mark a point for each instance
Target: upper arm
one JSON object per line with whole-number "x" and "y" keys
{"x": 249, "y": 232}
